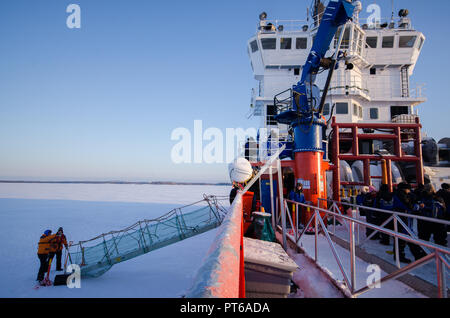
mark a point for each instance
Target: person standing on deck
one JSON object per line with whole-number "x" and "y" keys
{"x": 297, "y": 194}
{"x": 404, "y": 204}
{"x": 444, "y": 193}
{"x": 433, "y": 206}
{"x": 371, "y": 216}
{"x": 360, "y": 199}
{"x": 384, "y": 201}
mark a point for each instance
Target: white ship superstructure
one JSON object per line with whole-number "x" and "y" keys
{"x": 383, "y": 54}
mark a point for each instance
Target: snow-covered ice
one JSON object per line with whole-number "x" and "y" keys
{"x": 87, "y": 210}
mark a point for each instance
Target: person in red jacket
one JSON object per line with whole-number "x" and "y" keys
{"x": 60, "y": 241}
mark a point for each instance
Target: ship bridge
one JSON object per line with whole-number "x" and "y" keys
{"x": 383, "y": 52}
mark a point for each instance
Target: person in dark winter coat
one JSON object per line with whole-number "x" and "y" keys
{"x": 360, "y": 199}
{"x": 444, "y": 194}
{"x": 233, "y": 193}
{"x": 433, "y": 206}
{"x": 297, "y": 194}
{"x": 371, "y": 216}
{"x": 44, "y": 248}
{"x": 384, "y": 201}
{"x": 404, "y": 204}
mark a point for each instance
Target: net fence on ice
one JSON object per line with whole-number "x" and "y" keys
{"x": 98, "y": 255}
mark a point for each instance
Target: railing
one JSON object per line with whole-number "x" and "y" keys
{"x": 221, "y": 275}
{"x": 435, "y": 252}
{"x": 222, "y": 272}
{"x": 357, "y": 85}
{"x": 346, "y": 84}
{"x": 261, "y": 152}
{"x": 385, "y": 90}
{"x": 405, "y": 119}
{"x": 364, "y": 23}
{"x": 286, "y": 25}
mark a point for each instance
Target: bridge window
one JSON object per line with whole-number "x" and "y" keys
{"x": 372, "y": 41}
{"x": 301, "y": 43}
{"x": 326, "y": 109}
{"x": 407, "y": 41}
{"x": 269, "y": 43}
{"x": 388, "y": 42}
{"x": 342, "y": 108}
{"x": 254, "y": 46}
{"x": 373, "y": 112}
{"x": 285, "y": 43}
{"x": 421, "y": 43}
{"x": 399, "y": 110}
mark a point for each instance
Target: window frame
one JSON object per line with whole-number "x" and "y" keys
{"x": 265, "y": 41}
{"x": 383, "y": 46}
{"x": 252, "y": 47}
{"x": 407, "y": 36}
{"x": 421, "y": 42}
{"x": 338, "y": 112}
{"x": 326, "y": 109}
{"x": 376, "y": 42}
{"x": 377, "y": 113}
{"x": 297, "y": 42}
{"x": 289, "y": 41}
{"x": 355, "y": 110}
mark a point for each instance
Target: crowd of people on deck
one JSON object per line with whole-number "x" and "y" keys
{"x": 423, "y": 201}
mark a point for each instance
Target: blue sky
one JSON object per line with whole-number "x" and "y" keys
{"x": 100, "y": 102}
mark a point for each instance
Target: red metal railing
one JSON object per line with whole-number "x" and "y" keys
{"x": 398, "y": 133}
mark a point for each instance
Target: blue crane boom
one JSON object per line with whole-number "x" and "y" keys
{"x": 305, "y": 115}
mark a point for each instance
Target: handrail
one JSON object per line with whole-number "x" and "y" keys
{"x": 437, "y": 254}
{"x": 222, "y": 272}
{"x": 220, "y": 275}
{"x": 413, "y": 216}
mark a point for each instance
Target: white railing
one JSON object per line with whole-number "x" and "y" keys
{"x": 435, "y": 252}
{"x": 386, "y": 90}
{"x": 357, "y": 85}
{"x": 286, "y": 25}
{"x": 351, "y": 84}
{"x": 260, "y": 152}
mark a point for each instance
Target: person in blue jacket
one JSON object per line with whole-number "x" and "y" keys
{"x": 384, "y": 201}
{"x": 297, "y": 194}
{"x": 404, "y": 204}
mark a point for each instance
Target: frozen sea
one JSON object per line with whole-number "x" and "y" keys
{"x": 85, "y": 211}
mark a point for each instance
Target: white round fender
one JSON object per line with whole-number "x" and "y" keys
{"x": 240, "y": 170}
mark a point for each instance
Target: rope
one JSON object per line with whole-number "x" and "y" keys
{"x": 115, "y": 244}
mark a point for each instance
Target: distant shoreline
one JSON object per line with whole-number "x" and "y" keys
{"x": 119, "y": 182}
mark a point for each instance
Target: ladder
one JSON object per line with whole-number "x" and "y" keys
{"x": 404, "y": 81}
